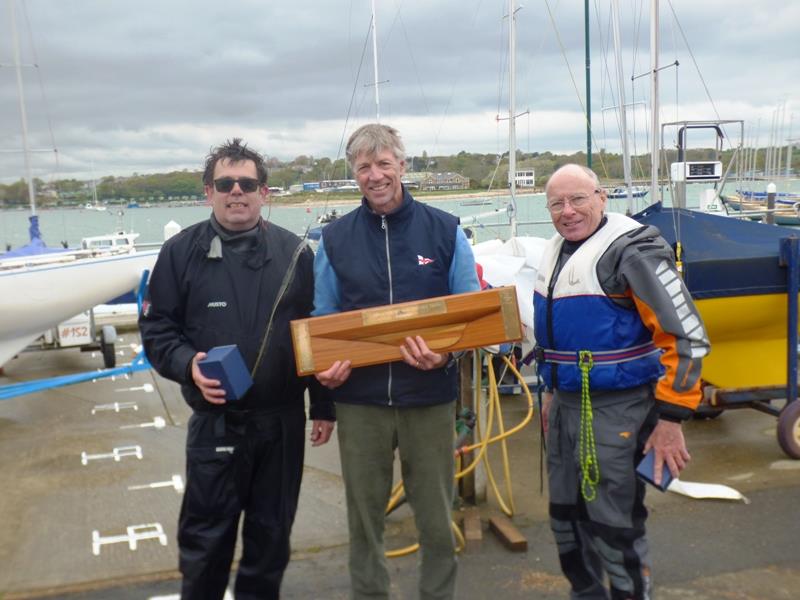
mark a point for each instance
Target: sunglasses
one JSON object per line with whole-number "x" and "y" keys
{"x": 225, "y": 184}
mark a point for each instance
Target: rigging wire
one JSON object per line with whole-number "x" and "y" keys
{"x": 694, "y": 60}
{"x": 572, "y": 78}
{"x": 387, "y": 36}
{"x": 413, "y": 63}
{"x": 41, "y": 87}
{"x": 346, "y": 120}
{"x": 604, "y": 53}
{"x": 605, "y": 42}
{"x": 637, "y": 20}
{"x": 53, "y": 177}
{"x": 612, "y": 90}
{"x": 677, "y": 79}
{"x": 459, "y": 70}
{"x": 679, "y": 28}
{"x": 501, "y": 73}
{"x": 530, "y": 64}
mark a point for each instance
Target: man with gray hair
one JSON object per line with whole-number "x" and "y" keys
{"x": 620, "y": 346}
{"x": 393, "y": 249}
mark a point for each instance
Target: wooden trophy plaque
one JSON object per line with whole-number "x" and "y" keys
{"x": 374, "y": 335}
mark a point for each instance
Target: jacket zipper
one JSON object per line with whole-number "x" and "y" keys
{"x": 385, "y": 228}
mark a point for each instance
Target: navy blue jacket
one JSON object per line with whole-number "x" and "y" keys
{"x": 366, "y": 260}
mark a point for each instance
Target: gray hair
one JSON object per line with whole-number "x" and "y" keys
{"x": 372, "y": 139}
{"x": 571, "y": 166}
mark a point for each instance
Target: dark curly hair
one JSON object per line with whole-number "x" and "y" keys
{"x": 234, "y": 151}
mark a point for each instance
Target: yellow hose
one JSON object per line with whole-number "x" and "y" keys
{"x": 494, "y": 396}
{"x": 460, "y": 543}
{"x": 485, "y": 440}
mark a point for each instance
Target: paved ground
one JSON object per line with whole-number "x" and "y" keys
{"x": 52, "y": 503}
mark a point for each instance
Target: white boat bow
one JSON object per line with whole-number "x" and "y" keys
{"x": 37, "y": 293}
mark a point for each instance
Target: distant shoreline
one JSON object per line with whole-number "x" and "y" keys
{"x": 313, "y": 199}
{"x": 333, "y": 198}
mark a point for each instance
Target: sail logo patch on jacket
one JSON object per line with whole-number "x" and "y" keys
{"x": 421, "y": 260}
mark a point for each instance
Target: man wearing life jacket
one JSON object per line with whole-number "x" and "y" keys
{"x": 619, "y": 346}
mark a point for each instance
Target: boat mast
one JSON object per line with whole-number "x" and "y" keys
{"x": 94, "y": 188}
{"x": 779, "y": 142}
{"x": 23, "y": 115}
{"x": 655, "y": 134}
{"x": 623, "y": 122}
{"x": 588, "y": 60}
{"x": 375, "y": 63}
{"x": 512, "y": 110}
{"x": 789, "y": 147}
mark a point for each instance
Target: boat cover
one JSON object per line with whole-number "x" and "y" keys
{"x": 33, "y": 248}
{"x": 722, "y": 256}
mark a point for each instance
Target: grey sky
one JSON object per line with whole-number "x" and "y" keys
{"x": 143, "y": 86}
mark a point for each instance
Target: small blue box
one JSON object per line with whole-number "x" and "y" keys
{"x": 646, "y": 470}
{"x": 226, "y": 364}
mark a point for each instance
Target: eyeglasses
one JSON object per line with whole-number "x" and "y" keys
{"x": 577, "y": 201}
{"x": 225, "y": 184}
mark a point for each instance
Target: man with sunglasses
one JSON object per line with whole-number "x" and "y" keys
{"x": 620, "y": 345}
{"x": 236, "y": 279}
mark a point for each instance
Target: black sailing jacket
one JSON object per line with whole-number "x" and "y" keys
{"x": 195, "y": 303}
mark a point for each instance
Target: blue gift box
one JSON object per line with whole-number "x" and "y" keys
{"x": 226, "y": 364}
{"x": 646, "y": 470}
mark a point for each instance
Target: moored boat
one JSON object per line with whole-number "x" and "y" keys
{"x": 40, "y": 291}
{"x": 617, "y": 193}
{"x": 756, "y": 210}
{"x": 731, "y": 268}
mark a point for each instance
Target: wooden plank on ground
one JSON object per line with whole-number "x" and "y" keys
{"x": 507, "y": 532}
{"x": 473, "y": 534}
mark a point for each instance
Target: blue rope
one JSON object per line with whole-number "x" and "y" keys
{"x": 139, "y": 363}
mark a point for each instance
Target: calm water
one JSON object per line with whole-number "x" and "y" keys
{"x": 73, "y": 224}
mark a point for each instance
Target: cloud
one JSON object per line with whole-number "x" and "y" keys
{"x": 149, "y": 86}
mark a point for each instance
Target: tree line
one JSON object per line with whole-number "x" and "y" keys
{"x": 485, "y": 171}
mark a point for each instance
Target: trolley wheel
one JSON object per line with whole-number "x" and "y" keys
{"x": 108, "y": 336}
{"x": 789, "y": 429}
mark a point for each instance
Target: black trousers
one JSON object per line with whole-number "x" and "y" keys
{"x": 238, "y": 463}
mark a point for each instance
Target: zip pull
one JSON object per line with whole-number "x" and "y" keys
{"x": 383, "y": 222}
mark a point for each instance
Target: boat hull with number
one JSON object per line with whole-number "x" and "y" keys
{"x": 37, "y": 295}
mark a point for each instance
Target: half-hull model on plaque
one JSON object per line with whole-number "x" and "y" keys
{"x": 374, "y": 335}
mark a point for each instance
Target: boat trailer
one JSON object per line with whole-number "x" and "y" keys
{"x": 760, "y": 398}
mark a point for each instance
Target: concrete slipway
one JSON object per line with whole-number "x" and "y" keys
{"x": 60, "y": 482}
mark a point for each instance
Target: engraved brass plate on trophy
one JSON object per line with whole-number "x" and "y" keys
{"x": 374, "y": 335}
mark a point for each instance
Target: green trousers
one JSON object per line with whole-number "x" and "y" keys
{"x": 368, "y": 438}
